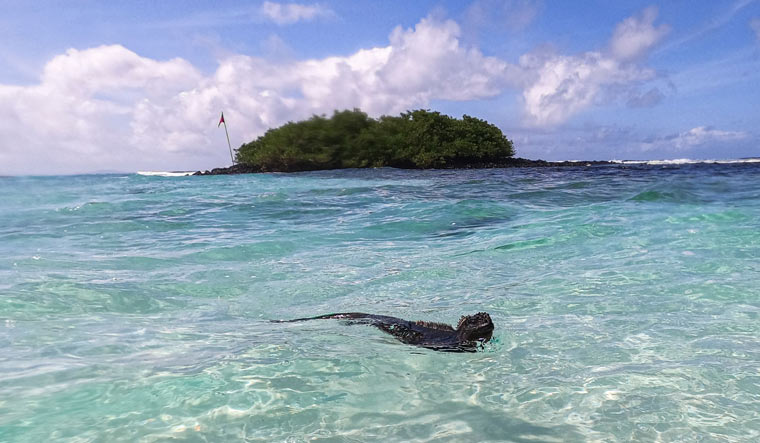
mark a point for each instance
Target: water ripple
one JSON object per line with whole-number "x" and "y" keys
{"x": 137, "y": 308}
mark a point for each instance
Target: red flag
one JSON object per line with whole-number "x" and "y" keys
{"x": 221, "y": 120}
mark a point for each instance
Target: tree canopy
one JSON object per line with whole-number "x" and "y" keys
{"x": 351, "y": 139}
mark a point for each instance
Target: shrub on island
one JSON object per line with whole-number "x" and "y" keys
{"x": 351, "y": 139}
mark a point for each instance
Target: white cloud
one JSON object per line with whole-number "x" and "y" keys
{"x": 635, "y": 36}
{"x": 289, "y": 13}
{"x": 110, "y": 68}
{"x": 109, "y": 108}
{"x": 419, "y": 65}
{"x": 566, "y": 85}
{"x": 563, "y": 86}
{"x": 77, "y": 117}
{"x": 429, "y": 62}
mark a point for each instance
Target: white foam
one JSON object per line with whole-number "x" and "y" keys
{"x": 686, "y": 161}
{"x": 166, "y": 173}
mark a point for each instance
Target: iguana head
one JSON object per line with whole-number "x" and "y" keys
{"x": 478, "y": 327}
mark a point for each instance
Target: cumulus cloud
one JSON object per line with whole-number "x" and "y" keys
{"x": 289, "y": 13}
{"x": 110, "y": 68}
{"x": 561, "y": 86}
{"x": 419, "y": 65}
{"x": 635, "y": 36}
{"x": 82, "y": 107}
{"x": 108, "y": 107}
{"x": 566, "y": 85}
{"x": 429, "y": 62}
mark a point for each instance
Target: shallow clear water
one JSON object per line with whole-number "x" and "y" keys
{"x": 625, "y": 301}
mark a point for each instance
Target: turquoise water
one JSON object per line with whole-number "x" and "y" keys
{"x": 625, "y": 300}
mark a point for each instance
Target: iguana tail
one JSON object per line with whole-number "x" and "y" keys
{"x": 339, "y": 316}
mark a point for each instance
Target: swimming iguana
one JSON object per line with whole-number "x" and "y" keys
{"x": 471, "y": 331}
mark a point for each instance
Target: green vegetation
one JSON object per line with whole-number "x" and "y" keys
{"x": 351, "y": 139}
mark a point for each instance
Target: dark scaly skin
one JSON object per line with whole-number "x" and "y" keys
{"x": 471, "y": 332}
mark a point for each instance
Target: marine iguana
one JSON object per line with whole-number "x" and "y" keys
{"x": 471, "y": 331}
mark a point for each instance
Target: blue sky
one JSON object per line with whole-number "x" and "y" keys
{"x": 93, "y": 86}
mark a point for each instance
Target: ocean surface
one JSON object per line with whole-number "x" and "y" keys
{"x": 625, "y": 299}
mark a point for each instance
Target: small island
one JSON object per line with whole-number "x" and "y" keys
{"x": 419, "y": 139}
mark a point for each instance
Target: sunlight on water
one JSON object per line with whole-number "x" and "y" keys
{"x": 137, "y": 308}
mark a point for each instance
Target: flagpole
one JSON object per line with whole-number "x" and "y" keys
{"x": 228, "y": 142}
{"x": 221, "y": 120}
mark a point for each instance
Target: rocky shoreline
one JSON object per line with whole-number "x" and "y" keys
{"x": 515, "y": 162}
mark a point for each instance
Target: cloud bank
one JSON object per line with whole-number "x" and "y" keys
{"x": 110, "y": 108}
